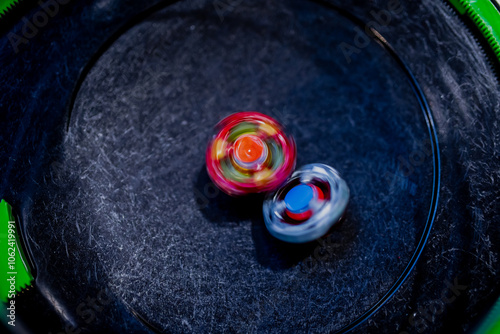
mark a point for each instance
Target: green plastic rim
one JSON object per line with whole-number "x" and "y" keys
{"x": 485, "y": 16}
{"x": 15, "y": 274}
{"x": 491, "y": 323}
{"x": 6, "y": 6}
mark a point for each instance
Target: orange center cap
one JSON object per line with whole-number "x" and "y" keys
{"x": 249, "y": 148}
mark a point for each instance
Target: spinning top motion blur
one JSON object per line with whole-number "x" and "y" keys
{"x": 250, "y": 153}
{"x": 308, "y": 205}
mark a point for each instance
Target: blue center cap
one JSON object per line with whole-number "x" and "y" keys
{"x": 298, "y": 198}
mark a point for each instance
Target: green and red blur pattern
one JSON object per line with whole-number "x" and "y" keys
{"x": 236, "y": 179}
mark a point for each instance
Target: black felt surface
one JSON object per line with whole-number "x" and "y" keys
{"x": 138, "y": 133}
{"x": 120, "y": 200}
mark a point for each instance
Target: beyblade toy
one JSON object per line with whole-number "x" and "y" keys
{"x": 308, "y": 205}
{"x": 250, "y": 154}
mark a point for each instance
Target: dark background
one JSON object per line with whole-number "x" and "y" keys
{"x": 106, "y": 113}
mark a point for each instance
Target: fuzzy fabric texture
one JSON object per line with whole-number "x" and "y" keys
{"x": 114, "y": 196}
